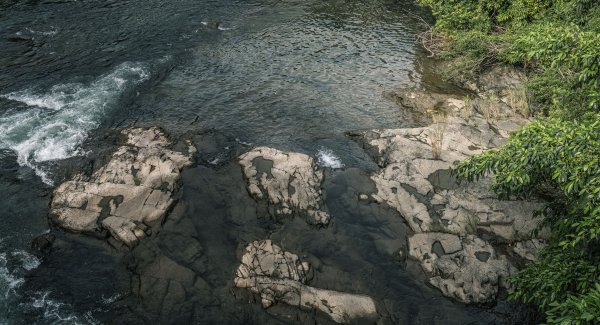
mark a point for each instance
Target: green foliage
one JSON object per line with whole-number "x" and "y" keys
{"x": 558, "y": 40}
{"x": 565, "y": 53}
{"x": 552, "y": 280}
{"x": 581, "y": 309}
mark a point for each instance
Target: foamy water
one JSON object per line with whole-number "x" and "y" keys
{"x": 14, "y": 265}
{"x": 56, "y": 122}
{"x": 326, "y": 158}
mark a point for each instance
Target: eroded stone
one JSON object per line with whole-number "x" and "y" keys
{"x": 288, "y": 181}
{"x": 135, "y": 187}
{"x": 446, "y": 215}
{"x": 279, "y": 276}
{"x": 469, "y": 269}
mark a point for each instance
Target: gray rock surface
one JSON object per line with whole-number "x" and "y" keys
{"x": 497, "y": 78}
{"x": 280, "y": 276}
{"x": 289, "y": 181}
{"x": 415, "y": 180}
{"x": 528, "y": 249}
{"x": 135, "y": 188}
{"x": 465, "y": 268}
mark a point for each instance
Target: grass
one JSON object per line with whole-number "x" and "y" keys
{"x": 438, "y": 127}
{"x": 518, "y": 100}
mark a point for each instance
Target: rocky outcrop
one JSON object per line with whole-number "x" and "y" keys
{"x": 134, "y": 189}
{"x": 463, "y": 219}
{"x": 465, "y": 268}
{"x": 505, "y": 104}
{"x": 289, "y": 181}
{"x": 279, "y": 276}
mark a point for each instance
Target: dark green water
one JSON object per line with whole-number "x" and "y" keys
{"x": 293, "y": 75}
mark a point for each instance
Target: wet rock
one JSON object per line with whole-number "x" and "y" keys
{"x": 280, "y": 276}
{"x": 465, "y": 268}
{"x": 289, "y": 181}
{"x": 135, "y": 188}
{"x": 41, "y": 245}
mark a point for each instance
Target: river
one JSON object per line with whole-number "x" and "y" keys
{"x": 294, "y": 75}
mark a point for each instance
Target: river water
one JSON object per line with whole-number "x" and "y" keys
{"x": 295, "y": 75}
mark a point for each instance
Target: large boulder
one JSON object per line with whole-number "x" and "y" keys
{"x": 134, "y": 189}
{"x": 289, "y": 181}
{"x": 280, "y": 276}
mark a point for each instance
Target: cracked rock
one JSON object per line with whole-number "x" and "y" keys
{"x": 289, "y": 181}
{"x": 134, "y": 188}
{"x": 279, "y": 276}
{"x": 466, "y": 268}
{"x": 412, "y": 182}
{"x": 455, "y": 224}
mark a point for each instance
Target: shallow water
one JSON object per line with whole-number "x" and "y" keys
{"x": 293, "y": 75}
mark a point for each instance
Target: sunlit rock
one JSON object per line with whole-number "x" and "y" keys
{"x": 289, "y": 181}
{"x": 465, "y": 268}
{"x": 280, "y": 276}
{"x": 136, "y": 187}
{"x": 455, "y": 224}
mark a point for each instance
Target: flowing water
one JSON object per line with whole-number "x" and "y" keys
{"x": 289, "y": 74}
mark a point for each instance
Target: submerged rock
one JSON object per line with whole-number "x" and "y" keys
{"x": 289, "y": 181}
{"x": 280, "y": 276}
{"x": 135, "y": 188}
{"x": 422, "y": 102}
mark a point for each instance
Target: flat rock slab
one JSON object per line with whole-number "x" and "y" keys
{"x": 422, "y": 190}
{"x": 289, "y": 181}
{"x": 136, "y": 187}
{"x": 280, "y": 276}
{"x": 447, "y": 216}
{"x": 465, "y": 268}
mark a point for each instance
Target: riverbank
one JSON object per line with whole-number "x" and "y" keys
{"x": 557, "y": 154}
